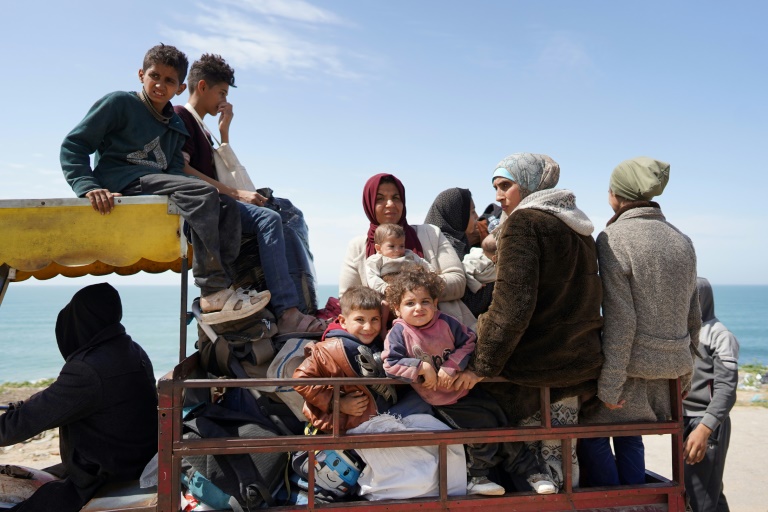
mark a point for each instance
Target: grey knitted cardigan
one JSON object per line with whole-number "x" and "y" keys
{"x": 651, "y": 314}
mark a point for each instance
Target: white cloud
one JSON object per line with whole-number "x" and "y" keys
{"x": 296, "y": 10}
{"x": 262, "y": 34}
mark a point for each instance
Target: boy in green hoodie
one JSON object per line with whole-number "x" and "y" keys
{"x": 137, "y": 140}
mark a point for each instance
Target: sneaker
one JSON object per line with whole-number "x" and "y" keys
{"x": 544, "y": 487}
{"x": 481, "y": 485}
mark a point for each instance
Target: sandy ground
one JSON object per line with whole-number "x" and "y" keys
{"x": 745, "y": 481}
{"x": 746, "y": 484}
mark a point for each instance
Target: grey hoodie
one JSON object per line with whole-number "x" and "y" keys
{"x": 716, "y": 373}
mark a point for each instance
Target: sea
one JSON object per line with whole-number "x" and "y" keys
{"x": 28, "y": 314}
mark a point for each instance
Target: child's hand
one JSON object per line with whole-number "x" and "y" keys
{"x": 430, "y": 377}
{"x": 444, "y": 380}
{"x": 353, "y": 404}
{"x": 102, "y": 200}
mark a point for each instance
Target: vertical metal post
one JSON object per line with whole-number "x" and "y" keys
{"x": 442, "y": 465}
{"x": 184, "y": 252}
{"x": 546, "y": 408}
{"x": 567, "y": 464}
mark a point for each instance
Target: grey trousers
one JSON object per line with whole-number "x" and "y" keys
{"x": 704, "y": 481}
{"x": 214, "y": 220}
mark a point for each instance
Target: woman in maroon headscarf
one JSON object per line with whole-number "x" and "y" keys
{"x": 384, "y": 202}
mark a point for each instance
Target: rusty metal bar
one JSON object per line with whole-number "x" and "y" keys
{"x": 567, "y": 466}
{"x": 336, "y": 409}
{"x": 311, "y": 461}
{"x": 663, "y": 493}
{"x": 442, "y": 468}
{"x": 546, "y": 407}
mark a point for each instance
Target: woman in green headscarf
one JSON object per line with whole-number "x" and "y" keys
{"x": 543, "y": 325}
{"x": 652, "y": 320}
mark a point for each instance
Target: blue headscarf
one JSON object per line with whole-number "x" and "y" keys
{"x": 530, "y": 171}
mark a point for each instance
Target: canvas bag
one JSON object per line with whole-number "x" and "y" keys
{"x": 229, "y": 170}
{"x": 287, "y": 359}
{"x": 248, "y": 341}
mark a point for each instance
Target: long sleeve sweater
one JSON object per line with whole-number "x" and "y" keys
{"x": 128, "y": 143}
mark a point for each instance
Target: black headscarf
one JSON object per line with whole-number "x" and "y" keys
{"x": 450, "y": 212}
{"x": 706, "y": 299}
{"x": 91, "y": 311}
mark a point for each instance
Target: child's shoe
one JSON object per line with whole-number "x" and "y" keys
{"x": 543, "y": 485}
{"x": 481, "y": 485}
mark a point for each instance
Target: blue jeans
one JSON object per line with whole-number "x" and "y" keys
{"x": 274, "y": 254}
{"x": 600, "y": 468}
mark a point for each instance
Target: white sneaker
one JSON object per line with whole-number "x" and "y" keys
{"x": 544, "y": 487}
{"x": 481, "y": 485}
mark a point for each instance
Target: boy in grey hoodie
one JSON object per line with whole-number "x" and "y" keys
{"x": 706, "y": 408}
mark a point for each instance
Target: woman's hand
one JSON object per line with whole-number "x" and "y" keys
{"x": 250, "y": 197}
{"x": 353, "y": 404}
{"x": 695, "y": 445}
{"x": 615, "y": 406}
{"x": 430, "y": 377}
{"x": 466, "y": 380}
{"x": 444, "y": 380}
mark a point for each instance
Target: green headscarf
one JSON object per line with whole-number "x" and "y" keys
{"x": 640, "y": 178}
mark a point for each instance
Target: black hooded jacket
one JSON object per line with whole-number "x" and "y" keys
{"x": 104, "y": 403}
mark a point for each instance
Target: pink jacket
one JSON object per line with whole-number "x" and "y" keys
{"x": 444, "y": 343}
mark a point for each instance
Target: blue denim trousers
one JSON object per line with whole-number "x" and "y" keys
{"x": 600, "y": 468}
{"x": 274, "y": 254}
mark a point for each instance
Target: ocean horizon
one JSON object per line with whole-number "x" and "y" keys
{"x": 151, "y": 316}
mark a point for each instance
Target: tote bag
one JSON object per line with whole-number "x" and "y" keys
{"x": 229, "y": 170}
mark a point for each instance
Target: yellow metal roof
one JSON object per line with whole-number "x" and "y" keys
{"x": 43, "y": 238}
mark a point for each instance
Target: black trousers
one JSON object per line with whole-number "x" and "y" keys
{"x": 480, "y": 410}
{"x": 704, "y": 481}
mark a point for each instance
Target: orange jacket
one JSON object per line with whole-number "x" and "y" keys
{"x": 328, "y": 359}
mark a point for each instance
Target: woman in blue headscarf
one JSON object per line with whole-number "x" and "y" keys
{"x": 543, "y": 325}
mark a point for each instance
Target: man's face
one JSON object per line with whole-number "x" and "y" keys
{"x": 212, "y": 97}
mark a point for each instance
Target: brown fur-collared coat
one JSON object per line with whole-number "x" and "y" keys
{"x": 543, "y": 325}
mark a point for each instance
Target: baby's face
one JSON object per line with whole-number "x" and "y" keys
{"x": 392, "y": 247}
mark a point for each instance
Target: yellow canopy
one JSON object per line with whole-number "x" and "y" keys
{"x": 43, "y": 238}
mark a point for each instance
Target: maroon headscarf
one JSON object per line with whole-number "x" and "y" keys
{"x": 369, "y": 206}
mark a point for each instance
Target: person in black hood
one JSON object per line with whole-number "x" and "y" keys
{"x": 104, "y": 403}
{"x": 706, "y": 408}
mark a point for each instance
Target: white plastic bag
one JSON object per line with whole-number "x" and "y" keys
{"x": 408, "y": 471}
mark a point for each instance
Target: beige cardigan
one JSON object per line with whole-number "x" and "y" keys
{"x": 438, "y": 251}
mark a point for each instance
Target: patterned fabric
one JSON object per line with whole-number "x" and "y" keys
{"x": 564, "y": 412}
{"x": 562, "y": 204}
{"x": 531, "y": 171}
{"x": 450, "y": 212}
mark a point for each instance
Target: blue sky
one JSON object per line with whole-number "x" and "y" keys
{"x": 434, "y": 91}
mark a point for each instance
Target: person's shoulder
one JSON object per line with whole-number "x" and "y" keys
{"x": 356, "y": 246}
{"x": 121, "y": 98}
{"x": 427, "y": 229}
